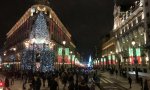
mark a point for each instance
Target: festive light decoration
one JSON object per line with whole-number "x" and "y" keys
{"x": 47, "y": 60}
{"x": 40, "y": 30}
{"x": 26, "y": 63}
{"x": 39, "y": 54}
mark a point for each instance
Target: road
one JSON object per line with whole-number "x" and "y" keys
{"x": 110, "y": 84}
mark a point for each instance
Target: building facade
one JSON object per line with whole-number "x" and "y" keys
{"x": 39, "y": 41}
{"x": 131, "y": 29}
{"x": 109, "y": 58}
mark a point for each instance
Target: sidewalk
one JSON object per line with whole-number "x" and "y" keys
{"x": 122, "y": 81}
{"x": 18, "y": 85}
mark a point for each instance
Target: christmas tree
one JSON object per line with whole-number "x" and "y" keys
{"x": 45, "y": 55}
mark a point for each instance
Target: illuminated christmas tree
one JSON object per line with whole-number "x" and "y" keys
{"x": 40, "y": 46}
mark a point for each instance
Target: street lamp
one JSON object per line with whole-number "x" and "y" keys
{"x": 64, "y": 43}
{"x": 135, "y": 60}
{"x": 14, "y": 49}
{"x": 71, "y": 59}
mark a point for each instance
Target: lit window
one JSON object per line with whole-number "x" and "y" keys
{"x": 131, "y": 24}
{"x": 136, "y": 20}
{"x": 143, "y": 15}
{"x": 120, "y": 31}
{"x": 127, "y": 26}
{"x": 141, "y": 3}
{"x": 115, "y": 26}
{"x": 116, "y": 35}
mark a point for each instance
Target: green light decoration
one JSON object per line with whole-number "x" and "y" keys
{"x": 101, "y": 59}
{"x": 130, "y": 51}
{"x": 73, "y": 57}
{"x": 67, "y": 51}
{"x": 138, "y": 52}
{"x": 69, "y": 57}
{"x": 60, "y": 51}
{"x": 76, "y": 59}
{"x": 113, "y": 57}
{"x": 104, "y": 59}
{"x": 98, "y": 61}
{"x": 109, "y": 57}
{"x": 7, "y": 65}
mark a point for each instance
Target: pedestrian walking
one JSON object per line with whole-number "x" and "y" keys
{"x": 6, "y": 82}
{"x": 12, "y": 80}
{"x": 54, "y": 83}
{"x": 43, "y": 79}
{"x": 145, "y": 85}
{"x": 64, "y": 79}
{"x": 141, "y": 82}
{"x": 33, "y": 83}
{"x": 83, "y": 86}
{"x": 38, "y": 83}
{"x": 116, "y": 73}
{"x": 92, "y": 86}
{"x": 130, "y": 81}
{"x": 96, "y": 80}
{"x": 24, "y": 83}
{"x": 71, "y": 85}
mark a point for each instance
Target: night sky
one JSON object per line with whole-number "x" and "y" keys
{"x": 87, "y": 20}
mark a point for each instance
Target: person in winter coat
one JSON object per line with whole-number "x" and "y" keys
{"x": 6, "y": 82}
{"x": 130, "y": 81}
{"x": 38, "y": 83}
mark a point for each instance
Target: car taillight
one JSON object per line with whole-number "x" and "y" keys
{"x": 1, "y": 84}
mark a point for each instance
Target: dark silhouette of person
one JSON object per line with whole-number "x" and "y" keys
{"x": 83, "y": 86}
{"x": 71, "y": 85}
{"x": 6, "y": 82}
{"x": 43, "y": 79}
{"x": 54, "y": 83}
{"x": 64, "y": 79}
{"x": 130, "y": 81}
{"x": 38, "y": 83}
{"x": 33, "y": 83}
{"x": 145, "y": 85}
{"x": 141, "y": 82}
{"x": 116, "y": 72}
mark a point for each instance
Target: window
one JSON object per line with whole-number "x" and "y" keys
{"x": 134, "y": 22}
{"x": 145, "y": 70}
{"x": 146, "y": 3}
{"x": 148, "y": 25}
{"x": 129, "y": 25}
{"x": 139, "y": 18}
{"x": 147, "y": 14}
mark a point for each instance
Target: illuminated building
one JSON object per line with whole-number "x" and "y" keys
{"x": 37, "y": 32}
{"x": 130, "y": 26}
{"x": 108, "y": 59}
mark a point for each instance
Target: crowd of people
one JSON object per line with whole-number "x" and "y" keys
{"x": 71, "y": 79}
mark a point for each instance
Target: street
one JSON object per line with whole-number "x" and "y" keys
{"x": 107, "y": 82}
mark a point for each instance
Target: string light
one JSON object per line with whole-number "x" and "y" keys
{"x": 47, "y": 55}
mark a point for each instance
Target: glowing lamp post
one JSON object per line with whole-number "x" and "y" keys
{"x": 135, "y": 60}
{"x": 71, "y": 59}
{"x": 14, "y": 49}
{"x": 64, "y": 43}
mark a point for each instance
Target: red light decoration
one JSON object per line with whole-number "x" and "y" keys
{"x": 1, "y": 84}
